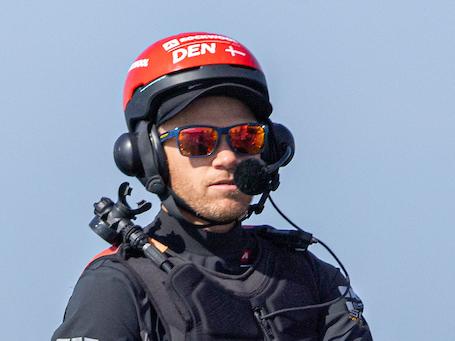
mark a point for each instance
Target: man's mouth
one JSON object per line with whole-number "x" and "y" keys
{"x": 223, "y": 182}
{"x": 226, "y": 184}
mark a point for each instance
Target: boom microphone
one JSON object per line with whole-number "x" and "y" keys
{"x": 254, "y": 176}
{"x": 251, "y": 176}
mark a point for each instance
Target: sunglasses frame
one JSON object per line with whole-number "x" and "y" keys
{"x": 220, "y": 131}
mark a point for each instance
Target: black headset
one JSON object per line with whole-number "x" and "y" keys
{"x": 141, "y": 154}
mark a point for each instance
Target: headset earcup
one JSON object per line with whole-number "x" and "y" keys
{"x": 140, "y": 154}
{"x": 147, "y": 145}
{"x": 278, "y": 140}
{"x": 126, "y": 155}
{"x": 284, "y": 139}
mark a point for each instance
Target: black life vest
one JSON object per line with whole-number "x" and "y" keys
{"x": 197, "y": 304}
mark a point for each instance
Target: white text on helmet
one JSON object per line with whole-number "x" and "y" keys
{"x": 204, "y": 37}
{"x": 170, "y": 44}
{"x": 192, "y": 51}
{"x": 139, "y": 63}
{"x": 173, "y": 43}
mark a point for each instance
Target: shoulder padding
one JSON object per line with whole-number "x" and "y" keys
{"x": 107, "y": 252}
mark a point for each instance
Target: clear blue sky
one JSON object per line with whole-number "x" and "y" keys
{"x": 368, "y": 88}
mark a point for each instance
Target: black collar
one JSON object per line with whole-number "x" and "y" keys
{"x": 216, "y": 251}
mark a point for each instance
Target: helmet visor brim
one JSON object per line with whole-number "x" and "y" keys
{"x": 257, "y": 102}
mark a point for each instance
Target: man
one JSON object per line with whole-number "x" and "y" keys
{"x": 197, "y": 107}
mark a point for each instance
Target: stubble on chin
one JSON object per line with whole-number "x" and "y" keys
{"x": 222, "y": 207}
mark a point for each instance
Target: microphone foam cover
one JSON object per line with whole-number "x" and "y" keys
{"x": 251, "y": 176}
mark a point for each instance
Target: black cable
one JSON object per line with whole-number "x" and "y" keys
{"x": 283, "y": 215}
{"x": 320, "y": 305}
{"x": 312, "y": 306}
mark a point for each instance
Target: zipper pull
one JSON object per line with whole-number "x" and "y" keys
{"x": 264, "y": 323}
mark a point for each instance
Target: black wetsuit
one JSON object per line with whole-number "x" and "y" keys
{"x": 110, "y": 303}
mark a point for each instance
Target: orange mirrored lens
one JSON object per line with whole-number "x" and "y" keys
{"x": 247, "y": 139}
{"x": 197, "y": 141}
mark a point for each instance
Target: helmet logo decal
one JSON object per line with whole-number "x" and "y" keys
{"x": 233, "y": 51}
{"x": 193, "y": 50}
{"x": 170, "y": 44}
{"x": 139, "y": 63}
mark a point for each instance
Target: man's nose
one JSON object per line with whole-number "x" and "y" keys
{"x": 225, "y": 157}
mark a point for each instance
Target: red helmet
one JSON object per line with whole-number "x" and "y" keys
{"x": 197, "y": 63}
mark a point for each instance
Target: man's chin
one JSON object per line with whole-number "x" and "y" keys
{"x": 226, "y": 210}
{"x": 220, "y": 207}
{"x": 233, "y": 203}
